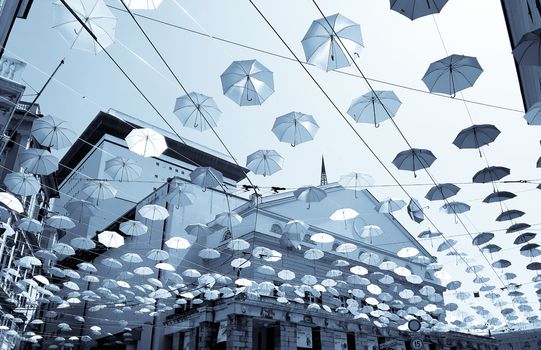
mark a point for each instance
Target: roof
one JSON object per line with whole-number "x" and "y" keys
{"x": 108, "y": 124}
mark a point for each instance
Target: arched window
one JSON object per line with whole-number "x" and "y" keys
{"x": 276, "y": 228}
{"x": 227, "y": 235}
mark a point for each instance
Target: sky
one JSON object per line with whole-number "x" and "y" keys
{"x": 397, "y": 51}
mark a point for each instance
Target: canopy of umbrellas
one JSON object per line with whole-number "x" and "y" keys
{"x": 330, "y": 44}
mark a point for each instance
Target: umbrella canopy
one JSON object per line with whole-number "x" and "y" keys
{"x": 344, "y": 214}
{"x": 524, "y": 238}
{"x": 99, "y": 190}
{"x": 533, "y": 114}
{"x": 414, "y": 159}
{"x": 370, "y": 231}
{"x": 476, "y": 136}
{"x": 111, "y": 239}
{"x": 38, "y": 161}
{"x": 30, "y": 225}
{"x": 153, "y": 212}
{"x": 83, "y": 243}
{"x": 510, "y": 215}
{"x": 96, "y": 16}
{"x": 452, "y": 74}
{"x": 177, "y": 243}
{"x": 22, "y": 184}
{"x": 415, "y": 211}
{"x": 355, "y": 180}
{"x": 310, "y": 194}
{"x": 482, "y": 238}
{"x": 455, "y": 208}
{"x": 228, "y": 219}
{"x": 517, "y": 227}
{"x": 390, "y": 205}
{"x": 264, "y": 162}
{"x": 52, "y": 132}
{"x": 197, "y": 111}
{"x": 81, "y": 208}
{"x": 491, "y": 248}
{"x": 181, "y": 195}
{"x": 60, "y": 222}
{"x": 447, "y": 245}
{"x": 123, "y": 169}
{"x": 414, "y": 9}
{"x": 490, "y": 174}
{"x": 295, "y": 128}
{"x": 527, "y": 50}
{"x": 142, "y": 4}
{"x": 442, "y": 192}
{"x": 206, "y": 177}
{"x": 133, "y": 228}
{"x": 198, "y": 230}
{"x": 247, "y": 83}
{"x": 11, "y": 202}
{"x": 146, "y": 142}
{"x": 330, "y": 39}
{"x": 499, "y": 196}
{"x": 374, "y": 107}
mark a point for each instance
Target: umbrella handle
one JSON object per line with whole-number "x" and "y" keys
{"x": 293, "y": 145}
{"x": 376, "y": 125}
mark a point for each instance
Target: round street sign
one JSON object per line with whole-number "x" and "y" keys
{"x": 417, "y": 344}
{"x": 414, "y": 325}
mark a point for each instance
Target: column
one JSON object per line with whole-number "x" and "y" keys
{"x": 240, "y": 335}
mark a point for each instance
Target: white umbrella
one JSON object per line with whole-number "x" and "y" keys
{"x": 228, "y": 219}
{"x": 99, "y": 190}
{"x": 22, "y": 184}
{"x": 344, "y": 214}
{"x": 313, "y": 254}
{"x": 142, "y": 4}
{"x": 96, "y": 16}
{"x": 153, "y": 212}
{"x": 157, "y": 254}
{"x": 38, "y": 161}
{"x": 146, "y": 142}
{"x": 197, "y": 111}
{"x": 295, "y": 128}
{"x": 60, "y": 222}
{"x": 133, "y": 228}
{"x": 264, "y": 162}
{"x": 206, "y": 177}
{"x": 63, "y": 249}
{"x": 83, "y": 243}
{"x": 407, "y": 252}
{"x": 111, "y": 239}
{"x": 52, "y": 132}
{"x": 123, "y": 169}
{"x": 11, "y": 202}
{"x": 181, "y": 196}
{"x": 112, "y": 263}
{"x": 238, "y": 244}
{"x": 177, "y": 243}
{"x": 30, "y": 225}
{"x": 209, "y": 253}
{"x": 322, "y": 238}
{"x": 131, "y": 258}
{"x": 346, "y": 248}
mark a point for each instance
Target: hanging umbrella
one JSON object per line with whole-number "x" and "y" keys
{"x": 63, "y": 249}
{"x": 264, "y": 162}
{"x": 177, "y": 243}
{"x": 534, "y": 266}
{"x": 527, "y": 50}
{"x": 452, "y": 74}
{"x": 153, "y": 212}
{"x": 52, "y": 132}
{"x": 310, "y": 194}
{"x": 295, "y": 128}
{"x": 344, "y": 214}
{"x": 83, "y": 243}
{"x": 60, "y": 222}
{"x": 206, "y": 177}
{"x": 491, "y": 248}
{"x": 374, "y": 107}
{"x": 228, "y": 219}
{"x": 370, "y": 231}
{"x": 158, "y": 254}
{"x": 197, "y": 111}
{"x": 81, "y": 208}
{"x": 510, "y": 215}
{"x": 111, "y": 239}
{"x": 181, "y": 196}
{"x": 330, "y": 39}
{"x": 198, "y": 230}
{"x": 490, "y": 174}
{"x": 96, "y": 16}
{"x": 447, "y": 245}
{"x": 455, "y": 208}
{"x": 30, "y": 225}
{"x": 142, "y": 4}
{"x": 11, "y": 202}
{"x": 517, "y": 227}
{"x": 133, "y": 228}
{"x": 356, "y": 180}
{"x": 524, "y": 238}
{"x": 238, "y": 244}
{"x": 530, "y": 250}
{"x": 415, "y": 211}
{"x": 209, "y": 254}
{"x": 146, "y": 142}
{"x": 501, "y": 264}
{"x": 407, "y": 252}
{"x": 533, "y": 113}
{"x": 247, "y": 83}
{"x": 414, "y": 9}
{"x": 99, "y": 190}
{"x": 476, "y": 136}
{"x": 123, "y": 169}
{"x": 414, "y": 159}
{"x": 390, "y": 205}
{"x": 482, "y": 238}
{"x": 442, "y": 192}
{"x": 38, "y": 161}
{"x": 429, "y": 234}
{"x": 22, "y": 184}
{"x": 499, "y": 196}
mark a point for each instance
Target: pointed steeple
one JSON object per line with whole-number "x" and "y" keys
{"x": 323, "y": 172}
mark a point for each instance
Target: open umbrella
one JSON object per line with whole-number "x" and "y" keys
{"x": 142, "y": 4}
{"x": 414, "y": 9}
{"x": 99, "y": 190}
{"x": 389, "y": 205}
{"x": 370, "y": 231}
{"x": 83, "y": 243}
{"x": 81, "y": 208}
{"x": 133, "y": 228}
{"x": 490, "y": 174}
{"x": 499, "y": 196}
{"x": 181, "y": 196}
{"x": 228, "y": 219}
{"x": 323, "y": 42}
{"x": 452, "y": 74}
{"x": 38, "y": 161}
{"x": 476, "y": 136}
{"x": 482, "y": 238}
{"x": 510, "y": 215}
{"x": 374, "y": 107}
{"x": 524, "y": 238}
{"x": 455, "y": 208}
{"x": 533, "y": 114}
{"x": 442, "y": 192}
{"x": 146, "y": 142}
{"x": 123, "y": 169}
{"x": 52, "y": 132}
{"x": 22, "y": 184}
{"x": 517, "y": 227}
{"x": 310, "y": 194}
{"x": 197, "y": 111}
{"x": 198, "y": 230}
{"x": 415, "y": 211}
{"x": 111, "y": 239}
{"x": 30, "y": 225}
{"x": 60, "y": 222}
{"x": 96, "y": 16}
{"x": 264, "y": 162}
{"x": 247, "y": 83}
{"x": 11, "y": 202}
{"x": 355, "y": 180}
{"x": 527, "y": 50}
{"x": 153, "y": 212}
{"x": 491, "y": 248}
{"x": 295, "y": 128}
{"x": 414, "y": 159}
{"x": 206, "y": 177}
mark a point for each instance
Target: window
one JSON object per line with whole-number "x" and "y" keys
{"x": 227, "y": 235}
{"x": 309, "y": 298}
{"x": 276, "y": 228}
{"x": 157, "y": 163}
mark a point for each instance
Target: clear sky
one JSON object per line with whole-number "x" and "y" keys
{"x": 397, "y": 51}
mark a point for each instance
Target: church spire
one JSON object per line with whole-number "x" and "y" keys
{"x": 323, "y": 172}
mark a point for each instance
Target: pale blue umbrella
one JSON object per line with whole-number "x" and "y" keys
{"x": 414, "y": 159}
{"x": 476, "y": 136}
{"x": 264, "y": 162}
{"x": 414, "y": 9}
{"x": 324, "y": 49}
{"x": 415, "y": 211}
{"x": 533, "y": 116}
{"x": 527, "y": 51}
{"x": 389, "y": 205}
{"x": 22, "y": 184}
{"x": 52, "y": 132}
{"x": 123, "y": 169}
{"x": 452, "y": 74}
{"x": 38, "y": 161}
{"x": 442, "y": 192}
{"x": 295, "y": 128}
{"x": 81, "y": 208}
{"x": 374, "y": 107}
{"x": 206, "y": 177}
{"x": 455, "y": 208}
{"x": 247, "y": 83}
{"x": 197, "y": 111}
{"x": 310, "y": 194}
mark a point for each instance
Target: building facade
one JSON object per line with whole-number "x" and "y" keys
{"x": 10, "y": 10}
